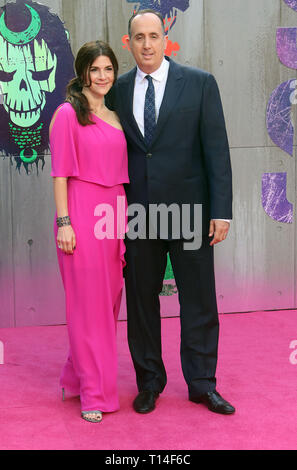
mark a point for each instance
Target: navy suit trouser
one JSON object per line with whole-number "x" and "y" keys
{"x": 195, "y": 281}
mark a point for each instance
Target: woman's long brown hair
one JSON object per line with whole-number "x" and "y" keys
{"x": 86, "y": 55}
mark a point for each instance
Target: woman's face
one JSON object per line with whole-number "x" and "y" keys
{"x": 101, "y": 74}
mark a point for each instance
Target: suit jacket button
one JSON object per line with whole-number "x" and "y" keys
{"x": 149, "y": 155}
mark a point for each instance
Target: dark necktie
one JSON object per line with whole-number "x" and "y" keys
{"x": 149, "y": 112}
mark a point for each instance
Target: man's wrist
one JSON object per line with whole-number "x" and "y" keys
{"x": 224, "y": 220}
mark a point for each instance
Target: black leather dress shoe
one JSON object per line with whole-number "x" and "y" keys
{"x": 214, "y": 402}
{"x": 145, "y": 402}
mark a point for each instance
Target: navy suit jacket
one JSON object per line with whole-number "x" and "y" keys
{"x": 188, "y": 161}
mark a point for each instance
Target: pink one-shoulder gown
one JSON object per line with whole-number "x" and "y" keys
{"x": 94, "y": 159}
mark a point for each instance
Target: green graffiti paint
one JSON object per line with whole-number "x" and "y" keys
{"x": 28, "y": 159}
{"x": 27, "y": 139}
{"x": 22, "y": 37}
{"x": 26, "y": 76}
{"x": 169, "y": 272}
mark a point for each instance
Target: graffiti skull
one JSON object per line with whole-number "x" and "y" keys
{"x": 26, "y": 74}
{"x": 36, "y": 63}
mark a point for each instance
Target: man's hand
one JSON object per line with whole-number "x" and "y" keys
{"x": 218, "y": 229}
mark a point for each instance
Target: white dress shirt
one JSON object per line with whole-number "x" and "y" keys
{"x": 159, "y": 80}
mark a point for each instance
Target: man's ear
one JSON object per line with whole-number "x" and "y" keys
{"x": 128, "y": 43}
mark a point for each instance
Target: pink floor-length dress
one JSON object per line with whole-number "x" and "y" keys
{"x": 94, "y": 159}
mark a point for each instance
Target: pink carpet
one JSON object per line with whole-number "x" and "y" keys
{"x": 255, "y": 374}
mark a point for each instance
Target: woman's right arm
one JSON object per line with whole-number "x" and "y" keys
{"x": 64, "y": 165}
{"x": 65, "y": 237}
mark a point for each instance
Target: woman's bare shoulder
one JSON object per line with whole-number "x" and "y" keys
{"x": 64, "y": 109}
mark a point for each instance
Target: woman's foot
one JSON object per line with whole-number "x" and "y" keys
{"x": 92, "y": 416}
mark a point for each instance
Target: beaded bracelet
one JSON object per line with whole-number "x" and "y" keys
{"x": 62, "y": 221}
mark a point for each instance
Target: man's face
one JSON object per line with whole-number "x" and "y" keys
{"x": 147, "y": 42}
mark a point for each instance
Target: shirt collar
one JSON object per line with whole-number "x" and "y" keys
{"x": 157, "y": 75}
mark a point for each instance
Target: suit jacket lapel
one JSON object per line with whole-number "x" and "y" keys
{"x": 126, "y": 96}
{"x": 173, "y": 89}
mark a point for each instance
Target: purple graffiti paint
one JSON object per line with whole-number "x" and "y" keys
{"x": 279, "y": 126}
{"x": 286, "y": 46}
{"x": 274, "y": 197}
{"x": 292, "y": 4}
{"x": 167, "y": 8}
{"x": 278, "y": 116}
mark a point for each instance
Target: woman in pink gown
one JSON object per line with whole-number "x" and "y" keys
{"x": 89, "y": 168}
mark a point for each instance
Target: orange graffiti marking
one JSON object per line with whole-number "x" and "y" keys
{"x": 125, "y": 42}
{"x": 172, "y": 47}
{"x": 168, "y": 26}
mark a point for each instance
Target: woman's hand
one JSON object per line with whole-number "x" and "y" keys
{"x": 66, "y": 239}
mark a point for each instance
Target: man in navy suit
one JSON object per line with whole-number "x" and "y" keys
{"x": 178, "y": 154}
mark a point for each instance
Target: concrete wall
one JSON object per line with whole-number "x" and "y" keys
{"x": 255, "y": 267}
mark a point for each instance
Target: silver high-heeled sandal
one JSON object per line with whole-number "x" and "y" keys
{"x": 84, "y": 413}
{"x": 93, "y": 412}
